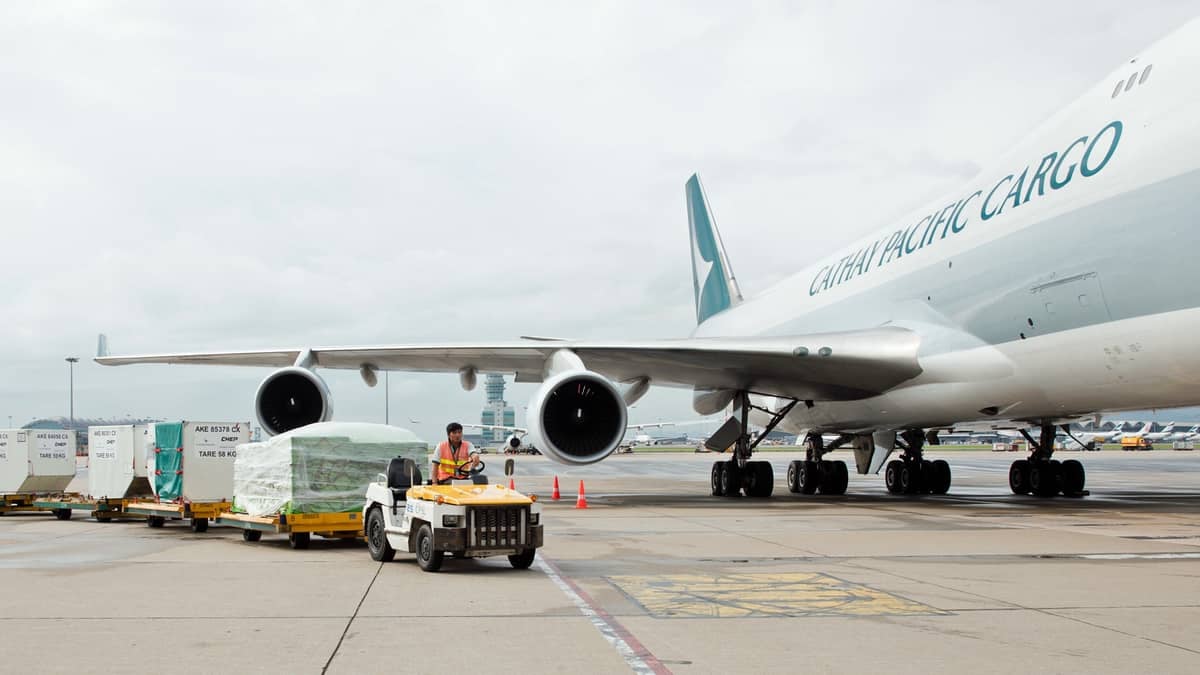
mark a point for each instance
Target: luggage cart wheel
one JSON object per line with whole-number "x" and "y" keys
{"x": 251, "y": 535}
{"x": 62, "y": 514}
{"x": 199, "y": 524}
{"x": 155, "y": 521}
{"x": 298, "y": 540}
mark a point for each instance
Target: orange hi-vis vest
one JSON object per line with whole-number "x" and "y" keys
{"x": 448, "y": 461}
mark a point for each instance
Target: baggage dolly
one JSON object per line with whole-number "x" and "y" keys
{"x": 63, "y": 506}
{"x": 157, "y": 513}
{"x": 299, "y": 527}
{"x": 17, "y": 503}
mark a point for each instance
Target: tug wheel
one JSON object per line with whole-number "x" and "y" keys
{"x": 523, "y": 560}
{"x": 377, "y": 543}
{"x": 429, "y": 559}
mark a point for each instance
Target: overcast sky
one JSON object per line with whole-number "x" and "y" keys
{"x": 257, "y": 175}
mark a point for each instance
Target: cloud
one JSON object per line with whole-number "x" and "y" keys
{"x": 247, "y": 175}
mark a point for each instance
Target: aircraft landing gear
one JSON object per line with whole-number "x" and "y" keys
{"x": 755, "y": 478}
{"x": 815, "y": 474}
{"x": 912, "y": 473}
{"x": 1042, "y": 476}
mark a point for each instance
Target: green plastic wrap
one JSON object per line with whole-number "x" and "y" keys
{"x": 168, "y": 460}
{"x": 320, "y": 468}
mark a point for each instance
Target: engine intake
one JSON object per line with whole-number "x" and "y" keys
{"x": 290, "y": 398}
{"x": 577, "y": 417}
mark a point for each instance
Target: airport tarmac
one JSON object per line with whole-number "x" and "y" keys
{"x": 655, "y": 576}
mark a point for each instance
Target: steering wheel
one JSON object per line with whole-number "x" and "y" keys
{"x": 460, "y": 475}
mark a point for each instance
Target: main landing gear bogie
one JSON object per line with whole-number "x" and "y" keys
{"x": 824, "y": 476}
{"x": 1045, "y": 477}
{"x": 755, "y": 479}
{"x": 914, "y": 477}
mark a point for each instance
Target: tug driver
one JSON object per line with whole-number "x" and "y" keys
{"x": 454, "y": 456}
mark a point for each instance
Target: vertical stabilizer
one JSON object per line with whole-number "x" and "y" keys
{"x": 715, "y": 286}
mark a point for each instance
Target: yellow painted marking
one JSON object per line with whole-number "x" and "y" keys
{"x": 761, "y": 595}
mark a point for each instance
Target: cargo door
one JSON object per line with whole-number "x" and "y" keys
{"x": 1072, "y": 301}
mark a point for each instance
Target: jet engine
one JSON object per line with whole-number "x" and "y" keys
{"x": 512, "y": 444}
{"x": 577, "y": 417}
{"x": 292, "y": 397}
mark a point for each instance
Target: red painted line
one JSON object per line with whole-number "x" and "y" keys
{"x": 638, "y": 648}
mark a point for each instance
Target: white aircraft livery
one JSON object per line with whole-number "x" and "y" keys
{"x": 994, "y": 304}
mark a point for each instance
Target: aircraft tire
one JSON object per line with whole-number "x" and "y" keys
{"x": 762, "y": 479}
{"x": 939, "y": 477}
{"x": 810, "y": 476}
{"x": 1072, "y": 477}
{"x": 834, "y": 478}
{"x": 731, "y": 479}
{"x": 891, "y": 476}
{"x": 910, "y": 478}
{"x": 1018, "y": 477}
{"x": 1043, "y": 479}
{"x": 718, "y": 482}
{"x": 793, "y": 476}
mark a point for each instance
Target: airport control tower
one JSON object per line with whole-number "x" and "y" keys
{"x": 496, "y": 410}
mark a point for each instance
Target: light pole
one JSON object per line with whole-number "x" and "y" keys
{"x": 71, "y": 361}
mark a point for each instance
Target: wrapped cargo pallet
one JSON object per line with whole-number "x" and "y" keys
{"x": 36, "y": 460}
{"x": 193, "y": 461}
{"x": 117, "y": 461}
{"x": 320, "y": 468}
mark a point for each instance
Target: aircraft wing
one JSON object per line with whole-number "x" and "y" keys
{"x": 819, "y": 366}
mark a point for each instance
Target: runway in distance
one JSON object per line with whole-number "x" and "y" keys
{"x": 1017, "y": 299}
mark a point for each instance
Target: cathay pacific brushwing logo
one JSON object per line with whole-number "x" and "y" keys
{"x": 708, "y": 276}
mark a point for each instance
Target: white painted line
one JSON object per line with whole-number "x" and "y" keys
{"x": 613, "y": 632}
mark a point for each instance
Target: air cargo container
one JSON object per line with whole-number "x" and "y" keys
{"x": 36, "y": 460}
{"x": 193, "y": 461}
{"x": 117, "y": 461}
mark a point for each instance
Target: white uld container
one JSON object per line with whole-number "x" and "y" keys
{"x": 117, "y": 461}
{"x": 36, "y": 460}
{"x": 209, "y": 450}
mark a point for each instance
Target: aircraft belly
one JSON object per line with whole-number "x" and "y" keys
{"x": 1141, "y": 363}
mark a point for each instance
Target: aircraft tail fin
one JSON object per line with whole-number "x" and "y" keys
{"x": 715, "y": 286}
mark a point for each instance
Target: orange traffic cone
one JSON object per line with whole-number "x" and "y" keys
{"x": 555, "y": 495}
{"x": 581, "y": 501}
{"x": 511, "y": 485}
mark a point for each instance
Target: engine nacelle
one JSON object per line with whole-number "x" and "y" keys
{"x": 577, "y": 417}
{"x": 512, "y": 443}
{"x": 292, "y": 397}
